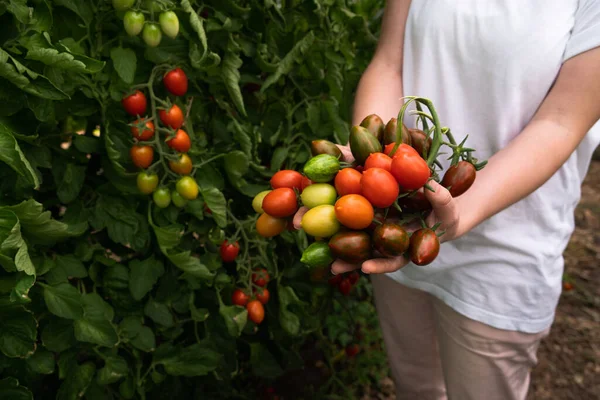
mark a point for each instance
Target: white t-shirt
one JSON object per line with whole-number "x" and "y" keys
{"x": 487, "y": 66}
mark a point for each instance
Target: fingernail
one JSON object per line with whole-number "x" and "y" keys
{"x": 333, "y": 272}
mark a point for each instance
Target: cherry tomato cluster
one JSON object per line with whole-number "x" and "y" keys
{"x": 362, "y": 208}
{"x": 258, "y": 298}
{"x": 134, "y": 21}
{"x": 144, "y": 132}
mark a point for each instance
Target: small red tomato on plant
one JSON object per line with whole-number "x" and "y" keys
{"x": 352, "y": 350}
{"x": 182, "y": 166}
{"x": 287, "y": 178}
{"x": 176, "y": 82}
{"x": 280, "y": 202}
{"x": 180, "y": 142}
{"x": 173, "y": 117}
{"x": 263, "y": 295}
{"x": 260, "y": 277}
{"x": 229, "y": 251}
{"x": 142, "y": 156}
{"x": 567, "y": 286}
{"x": 135, "y": 104}
{"x": 239, "y": 298}
{"x": 256, "y": 311}
{"x": 147, "y": 130}
{"x": 345, "y": 287}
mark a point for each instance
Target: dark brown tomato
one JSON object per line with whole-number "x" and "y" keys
{"x": 375, "y": 125}
{"x": 325, "y": 147}
{"x": 389, "y": 135}
{"x": 424, "y": 246}
{"x": 459, "y": 178}
{"x": 345, "y": 287}
{"x": 419, "y": 141}
{"x": 351, "y": 246}
{"x": 417, "y": 202}
{"x": 390, "y": 240}
{"x": 379, "y": 217}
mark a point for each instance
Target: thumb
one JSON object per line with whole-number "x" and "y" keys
{"x": 441, "y": 201}
{"x": 298, "y": 217}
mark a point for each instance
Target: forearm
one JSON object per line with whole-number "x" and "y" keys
{"x": 379, "y": 92}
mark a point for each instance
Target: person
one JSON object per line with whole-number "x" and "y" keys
{"x": 522, "y": 79}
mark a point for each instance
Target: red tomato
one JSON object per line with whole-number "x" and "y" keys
{"x": 176, "y": 82}
{"x": 410, "y": 170}
{"x": 256, "y": 311}
{"x": 280, "y": 203}
{"x": 260, "y": 277}
{"x": 287, "y": 178}
{"x": 180, "y": 142}
{"x": 378, "y": 160}
{"x": 424, "y": 246}
{"x": 459, "y": 178}
{"x": 345, "y": 287}
{"x": 305, "y": 183}
{"x": 353, "y": 277}
{"x": 379, "y": 187}
{"x": 335, "y": 280}
{"x": 135, "y": 104}
{"x": 173, "y": 117}
{"x": 354, "y": 211}
{"x": 147, "y": 132}
{"x": 141, "y": 156}
{"x": 263, "y": 296}
{"x": 352, "y": 350}
{"x": 403, "y": 148}
{"x": 239, "y": 298}
{"x": 229, "y": 251}
{"x": 347, "y": 181}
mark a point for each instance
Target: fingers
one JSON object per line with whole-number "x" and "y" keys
{"x": 341, "y": 267}
{"x": 383, "y": 265}
{"x": 442, "y": 202}
{"x": 346, "y": 152}
{"x": 298, "y": 217}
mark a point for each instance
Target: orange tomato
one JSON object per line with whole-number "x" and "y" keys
{"x": 378, "y": 160}
{"x": 268, "y": 226}
{"x": 354, "y": 211}
{"x": 256, "y": 311}
{"x": 280, "y": 203}
{"x": 347, "y": 181}
{"x": 379, "y": 187}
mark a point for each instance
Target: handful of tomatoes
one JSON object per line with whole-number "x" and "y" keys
{"x": 151, "y": 132}
{"x": 359, "y": 209}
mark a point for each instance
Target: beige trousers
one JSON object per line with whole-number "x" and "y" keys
{"x": 436, "y": 353}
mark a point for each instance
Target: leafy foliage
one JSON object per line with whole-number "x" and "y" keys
{"x": 102, "y": 294}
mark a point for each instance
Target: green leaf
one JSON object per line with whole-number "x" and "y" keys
{"x": 230, "y": 73}
{"x": 11, "y": 390}
{"x": 20, "y": 292}
{"x": 242, "y": 136}
{"x": 114, "y": 369}
{"x": 159, "y": 313}
{"x": 278, "y": 158}
{"x": 96, "y": 331}
{"x": 235, "y": 318}
{"x": 81, "y": 8}
{"x": 43, "y": 110}
{"x": 18, "y": 330}
{"x": 14, "y": 255}
{"x": 92, "y": 65}
{"x": 69, "y": 179}
{"x": 263, "y": 363}
{"x": 215, "y": 200}
{"x": 56, "y": 59}
{"x": 58, "y": 335}
{"x": 66, "y": 267}
{"x": 77, "y": 381}
{"x": 286, "y": 64}
{"x": 63, "y": 300}
{"x": 144, "y": 275}
{"x": 87, "y": 144}
{"x": 94, "y": 307}
{"x": 195, "y": 360}
{"x": 144, "y": 340}
{"x": 236, "y": 165}
{"x": 11, "y": 154}
{"x": 41, "y": 362}
{"x": 125, "y": 63}
{"x": 123, "y": 224}
{"x": 205, "y": 57}
{"x": 19, "y": 9}
{"x": 290, "y": 322}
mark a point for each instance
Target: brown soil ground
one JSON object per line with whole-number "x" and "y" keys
{"x": 569, "y": 358}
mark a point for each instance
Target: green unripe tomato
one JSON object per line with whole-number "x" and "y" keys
{"x": 133, "y": 22}
{"x": 318, "y": 194}
{"x": 152, "y": 35}
{"x": 177, "y": 200}
{"x": 122, "y": 5}
{"x": 169, "y": 23}
{"x": 162, "y": 198}
{"x": 146, "y": 182}
{"x": 257, "y": 201}
{"x": 187, "y": 188}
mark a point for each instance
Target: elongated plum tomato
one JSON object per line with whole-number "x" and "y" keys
{"x": 142, "y": 156}
{"x": 147, "y": 132}
{"x": 239, "y": 298}
{"x": 181, "y": 166}
{"x": 162, "y": 198}
{"x": 347, "y": 181}
{"x": 176, "y": 82}
{"x": 280, "y": 203}
{"x": 268, "y": 226}
{"x": 173, "y": 117}
{"x": 133, "y": 22}
{"x": 169, "y": 23}
{"x": 287, "y": 178}
{"x": 229, "y": 251}
{"x": 152, "y": 35}
{"x": 410, "y": 170}
{"x": 187, "y": 187}
{"x": 379, "y": 187}
{"x": 256, "y": 311}
{"x": 318, "y": 194}
{"x": 258, "y": 200}
{"x": 146, "y": 182}
{"x": 424, "y": 246}
{"x": 402, "y": 148}
{"x": 354, "y": 211}
{"x": 135, "y": 103}
{"x": 459, "y": 178}
{"x": 263, "y": 295}
{"x": 378, "y": 160}
{"x": 180, "y": 142}
{"x": 320, "y": 221}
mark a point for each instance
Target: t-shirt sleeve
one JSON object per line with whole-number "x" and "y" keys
{"x": 585, "y": 34}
